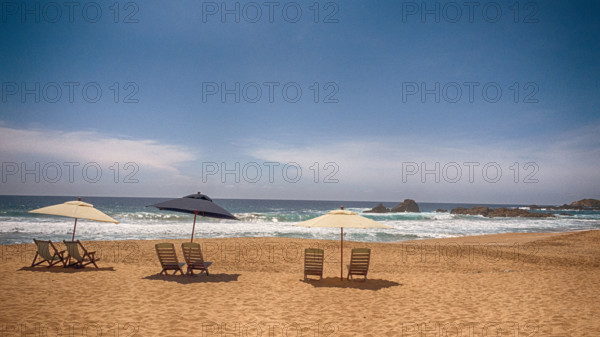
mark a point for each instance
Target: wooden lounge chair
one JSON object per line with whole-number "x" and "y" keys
{"x": 80, "y": 261}
{"x": 193, "y": 258}
{"x": 359, "y": 262}
{"x": 168, "y": 258}
{"x": 313, "y": 262}
{"x": 43, "y": 251}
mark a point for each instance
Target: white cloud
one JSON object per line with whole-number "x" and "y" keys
{"x": 567, "y": 167}
{"x": 367, "y": 169}
{"x": 88, "y": 146}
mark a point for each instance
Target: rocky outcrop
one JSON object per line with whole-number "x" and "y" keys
{"x": 563, "y": 207}
{"x": 441, "y": 210}
{"x": 378, "y": 209}
{"x": 477, "y": 210}
{"x": 592, "y": 204}
{"x": 408, "y": 205}
{"x": 499, "y": 212}
{"x": 516, "y": 212}
{"x": 583, "y": 204}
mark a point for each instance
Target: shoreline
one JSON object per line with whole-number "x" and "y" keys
{"x": 529, "y": 235}
{"x": 522, "y": 282}
{"x": 272, "y": 219}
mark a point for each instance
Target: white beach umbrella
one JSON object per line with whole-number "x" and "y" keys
{"x": 75, "y": 209}
{"x": 343, "y": 219}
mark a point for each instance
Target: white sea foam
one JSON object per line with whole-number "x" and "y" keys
{"x": 432, "y": 225}
{"x": 268, "y": 219}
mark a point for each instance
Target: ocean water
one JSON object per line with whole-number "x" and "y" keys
{"x": 262, "y": 218}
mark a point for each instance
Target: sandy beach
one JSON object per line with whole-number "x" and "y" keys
{"x": 526, "y": 284}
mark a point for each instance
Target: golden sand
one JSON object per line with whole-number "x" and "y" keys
{"x": 542, "y": 284}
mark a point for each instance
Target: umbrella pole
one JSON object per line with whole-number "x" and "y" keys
{"x": 342, "y": 256}
{"x": 73, "y": 238}
{"x": 194, "y": 228}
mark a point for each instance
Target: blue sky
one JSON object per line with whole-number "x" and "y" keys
{"x": 371, "y": 134}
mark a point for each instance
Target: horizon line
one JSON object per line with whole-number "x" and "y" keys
{"x": 269, "y": 199}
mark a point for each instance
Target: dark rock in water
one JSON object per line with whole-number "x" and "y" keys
{"x": 441, "y": 210}
{"x": 556, "y": 208}
{"x": 459, "y": 210}
{"x": 499, "y": 212}
{"x": 482, "y": 210}
{"x": 583, "y": 204}
{"x": 586, "y": 204}
{"x": 567, "y": 214}
{"x": 515, "y": 212}
{"x": 378, "y": 209}
{"x": 408, "y": 205}
{"x": 477, "y": 210}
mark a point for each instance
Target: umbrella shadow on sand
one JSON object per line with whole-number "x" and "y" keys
{"x": 334, "y": 282}
{"x": 186, "y": 279}
{"x": 65, "y": 270}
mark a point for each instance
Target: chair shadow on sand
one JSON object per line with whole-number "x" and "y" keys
{"x": 186, "y": 279}
{"x": 334, "y": 282}
{"x": 65, "y": 270}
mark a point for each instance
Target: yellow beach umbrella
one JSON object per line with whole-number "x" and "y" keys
{"x": 343, "y": 219}
{"x": 75, "y": 209}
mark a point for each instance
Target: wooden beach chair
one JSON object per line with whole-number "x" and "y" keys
{"x": 168, "y": 258}
{"x": 193, "y": 258}
{"x": 359, "y": 262}
{"x": 79, "y": 260}
{"x": 43, "y": 252}
{"x": 313, "y": 262}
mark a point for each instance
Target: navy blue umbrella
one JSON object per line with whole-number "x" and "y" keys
{"x": 197, "y": 204}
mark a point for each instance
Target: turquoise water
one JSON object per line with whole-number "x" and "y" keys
{"x": 261, "y": 218}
